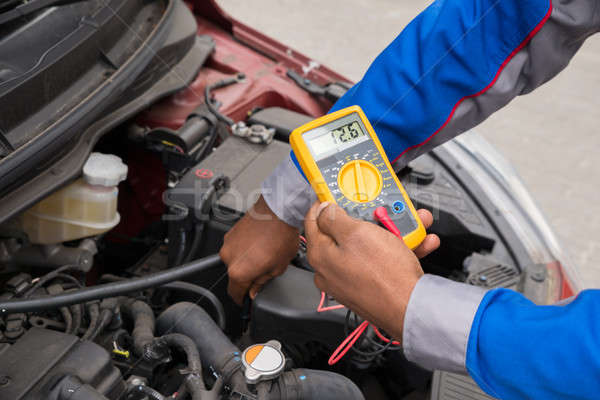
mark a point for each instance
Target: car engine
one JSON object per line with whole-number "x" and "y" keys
{"x": 110, "y": 282}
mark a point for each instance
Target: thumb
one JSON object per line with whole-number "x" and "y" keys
{"x": 335, "y": 222}
{"x": 311, "y": 229}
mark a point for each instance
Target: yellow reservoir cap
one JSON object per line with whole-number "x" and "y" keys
{"x": 360, "y": 181}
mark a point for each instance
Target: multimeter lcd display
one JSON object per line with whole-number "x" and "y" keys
{"x": 347, "y": 132}
{"x": 333, "y": 139}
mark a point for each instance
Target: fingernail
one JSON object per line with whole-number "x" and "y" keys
{"x": 322, "y": 206}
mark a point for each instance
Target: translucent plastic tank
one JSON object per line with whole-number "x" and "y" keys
{"x": 86, "y": 207}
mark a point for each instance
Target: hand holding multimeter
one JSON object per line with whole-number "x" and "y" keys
{"x": 344, "y": 162}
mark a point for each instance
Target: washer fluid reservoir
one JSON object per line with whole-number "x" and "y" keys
{"x": 86, "y": 207}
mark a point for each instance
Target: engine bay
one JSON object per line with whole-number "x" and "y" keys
{"x": 131, "y": 250}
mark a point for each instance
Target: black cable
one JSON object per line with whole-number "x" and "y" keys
{"x": 207, "y": 146}
{"x": 77, "y": 312}
{"x": 104, "y": 320}
{"x": 203, "y": 293}
{"x": 198, "y": 233}
{"x": 94, "y": 313}
{"x": 178, "y": 259}
{"x": 367, "y": 355}
{"x": 67, "y": 318}
{"x": 109, "y": 289}
{"x": 49, "y": 276}
{"x": 218, "y": 85}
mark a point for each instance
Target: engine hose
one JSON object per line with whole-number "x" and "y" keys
{"x": 181, "y": 248}
{"x": 49, "y": 276}
{"x": 194, "y": 382}
{"x": 198, "y": 233}
{"x": 191, "y": 320}
{"x": 93, "y": 311}
{"x": 202, "y": 293}
{"x": 77, "y": 312}
{"x": 308, "y": 384}
{"x": 143, "y": 327}
{"x": 218, "y": 352}
{"x": 67, "y": 318}
{"x": 109, "y": 289}
{"x": 103, "y": 321}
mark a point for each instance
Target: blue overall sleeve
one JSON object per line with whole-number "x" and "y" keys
{"x": 519, "y": 350}
{"x": 513, "y": 348}
{"x": 448, "y": 70}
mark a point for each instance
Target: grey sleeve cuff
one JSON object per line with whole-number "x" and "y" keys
{"x": 288, "y": 194}
{"x": 438, "y": 321}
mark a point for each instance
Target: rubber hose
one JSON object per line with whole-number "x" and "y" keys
{"x": 67, "y": 318}
{"x": 202, "y": 293}
{"x": 215, "y": 349}
{"x": 94, "y": 313}
{"x": 77, "y": 312}
{"x": 198, "y": 233}
{"x": 143, "y": 324}
{"x": 49, "y": 276}
{"x": 191, "y": 320}
{"x": 308, "y": 384}
{"x": 181, "y": 248}
{"x": 103, "y": 321}
{"x": 188, "y": 346}
{"x": 194, "y": 381}
{"x": 109, "y": 289}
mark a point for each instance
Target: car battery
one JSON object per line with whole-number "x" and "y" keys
{"x": 214, "y": 195}
{"x": 244, "y": 165}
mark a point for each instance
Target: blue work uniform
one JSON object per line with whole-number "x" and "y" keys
{"x": 450, "y": 68}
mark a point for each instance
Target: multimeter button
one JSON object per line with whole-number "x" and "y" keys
{"x": 360, "y": 181}
{"x": 398, "y": 207}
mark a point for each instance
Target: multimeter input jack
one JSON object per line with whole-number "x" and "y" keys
{"x": 398, "y": 207}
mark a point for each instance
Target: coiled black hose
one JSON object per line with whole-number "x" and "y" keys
{"x": 109, "y": 289}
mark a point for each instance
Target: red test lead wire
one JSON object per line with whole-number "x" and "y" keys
{"x": 380, "y": 215}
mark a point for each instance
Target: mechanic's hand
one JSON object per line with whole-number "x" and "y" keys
{"x": 258, "y": 248}
{"x": 363, "y": 266}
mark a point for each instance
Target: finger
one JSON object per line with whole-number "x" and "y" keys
{"x": 426, "y": 217}
{"x": 334, "y": 222}
{"x": 310, "y": 221}
{"x": 254, "y": 290}
{"x": 320, "y": 282}
{"x": 429, "y": 244}
{"x": 313, "y": 235}
{"x": 237, "y": 290}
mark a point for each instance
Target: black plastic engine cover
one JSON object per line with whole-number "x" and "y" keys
{"x": 286, "y": 310}
{"x": 38, "y": 361}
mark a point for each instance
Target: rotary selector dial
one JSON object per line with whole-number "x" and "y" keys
{"x": 360, "y": 181}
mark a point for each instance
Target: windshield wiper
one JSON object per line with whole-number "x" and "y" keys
{"x": 28, "y": 7}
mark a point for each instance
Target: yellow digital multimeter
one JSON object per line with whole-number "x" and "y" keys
{"x": 344, "y": 162}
